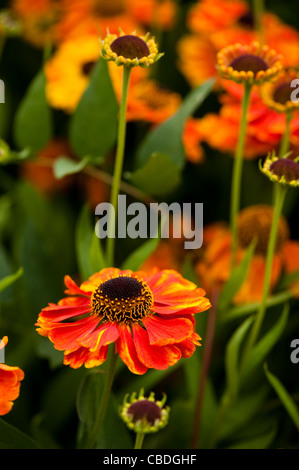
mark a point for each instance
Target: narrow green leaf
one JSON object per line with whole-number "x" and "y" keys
{"x": 83, "y": 238}
{"x": 167, "y": 138}
{"x": 93, "y": 127}
{"x": 264, "y": 346}
{"x": 159, "y": 176}
{"x": 33, "y": 126}
{"x": 12, "y": 438}
{"x": 8, "y": 280}
{"x": 96, "y": 254}
{"x": 236, "y": 280}
{"x": 232, "y": 357}
{"x": 284, "y": 396}
{"x": 135, "y": 259}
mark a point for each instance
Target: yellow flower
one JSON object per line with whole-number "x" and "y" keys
{"x": 252, "y": 64}
{"x": 130, "y": 50}
{"x": 277, "y": 95}
{"x": 281, "y": 170}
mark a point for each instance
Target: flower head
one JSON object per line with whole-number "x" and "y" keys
{"x": 10, "y": 378}
{"x": 278, "y": 95}
{"x": 149, "y": 317}
{"x": 255, "y": 222}
{"x": 130, "y": 50}
{"x": 252, "y": 64}
{"x": 144, "y": 415}
{"x": 281, "y": 170}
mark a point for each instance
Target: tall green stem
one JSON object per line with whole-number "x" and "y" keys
{"x": 139, "y": 440}
{"x": 121, "y": 140}
{"x": 285, "y": 141}
{"x": 237, "y": 172}
{"x": 279, "y": 197}
{"x": 105, "y": 397}
{"x": 258, "y": 10}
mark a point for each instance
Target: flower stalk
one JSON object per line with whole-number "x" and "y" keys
{"x": 285, "y": 141}
{"x": 237, "y": 171}
{"x": 121, "y": 140}
{"x": 112, "y": 360}
{"x": 279, "y": 197}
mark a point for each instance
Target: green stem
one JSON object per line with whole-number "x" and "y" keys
{"x": 2, "y": 44}
{"x": 258, "y": 11}
{"x": 139, "y": 440}
{"x": 279, "y": 197}
{"x": 284, "y": 144}
{"x": 237, "y": 172}
{"x": 112, "y": 359}
{"x": 121, "y": 140}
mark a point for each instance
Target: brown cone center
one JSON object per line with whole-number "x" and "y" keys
{"x": 249, "y": 63}
{"x": 130, "y": 47}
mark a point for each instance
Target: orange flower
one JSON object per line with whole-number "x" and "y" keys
{"x": 213, "y": 269}
{"x": 217, "y": 24}
{"x": 264, "y": 129}
{"x": 192, "y": 137}
{"x": 148, "y": 315}
{"x": 248, "y": 63}
{"x": 83, "y": 17}
{"x": 40, "y": 19}
{"x": 10, "y": 378}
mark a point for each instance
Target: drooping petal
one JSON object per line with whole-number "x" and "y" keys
{"x": 57, "y": 313}
{"x": 105, "y": 334}
{"x": 66, "y": 336}
{"x": 127, "y": 352}
{"x": 162, "y": 332}
{"x": 156, "y": 357}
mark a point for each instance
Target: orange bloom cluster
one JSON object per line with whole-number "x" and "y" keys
{"x": 52, "y": 21}
{"x": 213, "y": 269}
{"x": 149, "y": 316}
{"x": 215, "y": 24}
{"x": 10, "y": 378}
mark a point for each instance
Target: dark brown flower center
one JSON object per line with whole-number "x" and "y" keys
{"x": 287, "y": 168}
{"x": 145, "y": 410}
{"x": 122, "y": 299}
{"x": 87, "y": 67}
{"x": 130, "y": 47}
{"x": 249, "y": 62}
{"x": 255, "y": 223}
{"x": 282, "y": 93}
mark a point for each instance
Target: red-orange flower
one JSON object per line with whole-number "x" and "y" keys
{"x": 149, "y": 317}
{"x": 213, "y": 269}
{"x": 10, "y": 378}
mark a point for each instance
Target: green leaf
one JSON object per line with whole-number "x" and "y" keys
{"x": 96, "y": 254}
{"x": 12, "y": 438}
{"x": 93, "y": 127}
{"x": 264, "y": 346}
{"x": 284, "y": 396}
{"x": 33, "y": 126}
{"x": 114, "y": 434}
{"x": 135, "y": 259}
{"x": 8, "y": 280}
{"x": 64, "y": 166}
{"x": 167, "y": 138}
{"x": 83, "y": 238}
{"x": 159, "y": 176}
{"x": 259, "y": 440}
{"x": 243, "y": 411}
{"x": 236, "y": 280}
{"x": 90, "y": 254}
{"x": 232, "y": 357}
